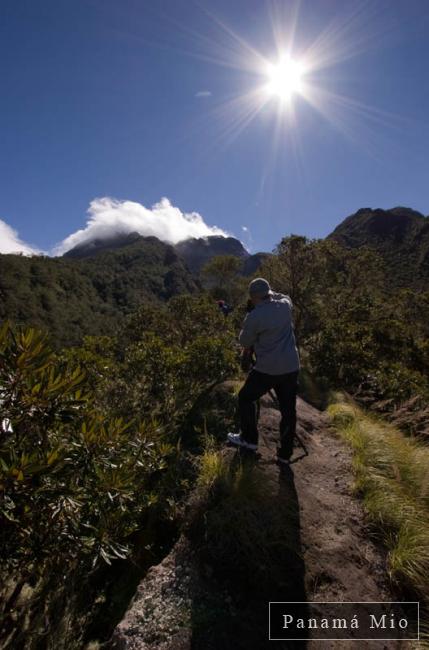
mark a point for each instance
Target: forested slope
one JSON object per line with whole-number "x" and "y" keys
{"x": 71, "y": 297}
{"x": 399, "y": 235}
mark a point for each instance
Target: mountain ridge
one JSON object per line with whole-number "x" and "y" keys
{"x": 88, "y": 290}
{"x": 195, "y": 251}
{"x": 400, "y": 235}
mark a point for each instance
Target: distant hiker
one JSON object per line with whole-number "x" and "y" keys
{"x": 268, "y": 329}
{"x": 224, "y": 307}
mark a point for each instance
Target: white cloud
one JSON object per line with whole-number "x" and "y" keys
{"x": 203, "y": 93}
{"x": 11, "y": 243}
{"x": 109, "y": 217}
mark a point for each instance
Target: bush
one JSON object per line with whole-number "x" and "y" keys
{"x": 73, "y": 485}
{"x": 92, "y": 458}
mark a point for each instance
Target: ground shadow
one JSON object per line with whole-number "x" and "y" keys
{"x": 230, "y": 608}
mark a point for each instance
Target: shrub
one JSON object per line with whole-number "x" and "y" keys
{"x": 73, "y": 485}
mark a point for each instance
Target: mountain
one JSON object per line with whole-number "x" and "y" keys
{"x": 195, "y": 252}
{"x": 252, "y": 263}
{"x": 400, "y": 235}
{"x": 88, "y": 290}
{"x": 75, "y": 296}
{"x": 95, "y": 246}
{"x": 91, "y": 288}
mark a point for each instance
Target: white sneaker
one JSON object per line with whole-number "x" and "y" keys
{"x": 237, "y": 440}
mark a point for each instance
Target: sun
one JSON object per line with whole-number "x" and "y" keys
{"x": 285, "y": 78}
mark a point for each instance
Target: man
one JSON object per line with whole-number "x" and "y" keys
{"x": 224, "y": 307}
{"x": 268, "y": 328}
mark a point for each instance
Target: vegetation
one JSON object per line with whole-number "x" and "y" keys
{"x": 392, "y": 476}
{"x": 74, "y": 485}
{"x": 353, "y": 329}
{"x": 71, "y": 298}
{"x": 399, "y": 235}
{"x": 222, "y": 277}
{"x": 104, "y": 433}
{"x": 93, "y": 457}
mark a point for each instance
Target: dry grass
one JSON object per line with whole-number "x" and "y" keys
{"x": 392, "y": 475}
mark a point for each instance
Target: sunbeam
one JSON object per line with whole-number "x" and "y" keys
{"x": 278, "y": 72}
{"x": 291, "y": 73}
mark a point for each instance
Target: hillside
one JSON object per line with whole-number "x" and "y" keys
{"x": 212, "y": 591}
{"x": 73, "y": 297}
{"x": 95, "y": 246}
{"x": 195, "y": 252}
{"x": 93, "y": 285}
{"x": 400, "y": 235}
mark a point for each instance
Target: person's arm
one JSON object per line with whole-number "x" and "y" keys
{"x": 246, "y": 359}
{"x": 249, "y": 333}
{"x": 282, "y": 296}
{"x": 277, "y": 296}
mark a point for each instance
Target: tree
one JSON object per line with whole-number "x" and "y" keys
{"x": 294, "y": 270}
{"x": 222, "y": 276}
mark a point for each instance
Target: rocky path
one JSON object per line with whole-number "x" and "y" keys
{"x": 338, "y": 560}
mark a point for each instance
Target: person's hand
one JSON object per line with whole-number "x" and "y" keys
{"x": 246, "y": 360}
{"x": 249, "y": 305}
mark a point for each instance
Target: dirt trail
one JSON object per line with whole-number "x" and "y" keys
{"x": 339, "y": 562}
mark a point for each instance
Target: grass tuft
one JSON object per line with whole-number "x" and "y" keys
{"x": 392, "y": 476}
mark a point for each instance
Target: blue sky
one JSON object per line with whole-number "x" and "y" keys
{"x": 139, "y": 99}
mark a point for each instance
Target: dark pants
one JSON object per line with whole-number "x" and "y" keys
{"x": 285, "y": 388}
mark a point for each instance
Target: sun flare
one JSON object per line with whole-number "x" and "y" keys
{"x": 285, "y": 78}
{"x": 292, "y": 76}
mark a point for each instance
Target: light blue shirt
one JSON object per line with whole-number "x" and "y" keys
{"x": 268, "y": 328}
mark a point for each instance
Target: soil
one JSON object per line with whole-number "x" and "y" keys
{"x": 182, "y": 605}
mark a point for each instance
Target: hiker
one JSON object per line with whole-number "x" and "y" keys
{"x": 224, "y": 307}
{"x": 268, "y": 329}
